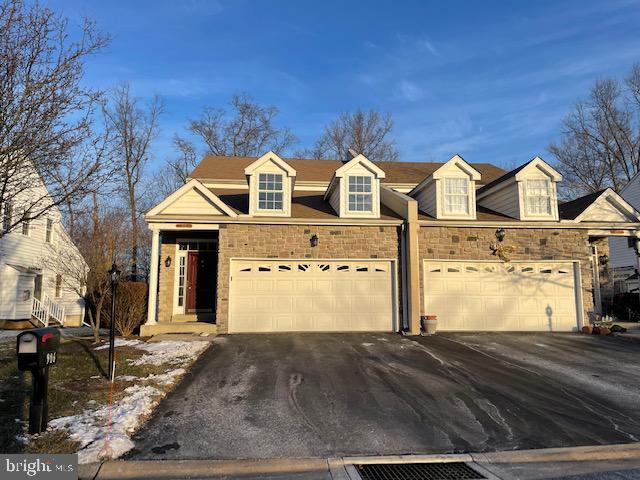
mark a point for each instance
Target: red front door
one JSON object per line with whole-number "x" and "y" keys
{"x": 192, "y": 280}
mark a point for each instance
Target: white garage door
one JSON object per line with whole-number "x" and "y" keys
{"x": 311, "y": 296}
{"x": 472, "y": 296}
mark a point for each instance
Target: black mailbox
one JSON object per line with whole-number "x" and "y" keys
{"x": 38, "y": 348}
{"x": 37, "y": 351}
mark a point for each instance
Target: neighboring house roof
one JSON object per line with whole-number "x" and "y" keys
{"x": 572, "y": 209}
{"x": 304, "y": 204}
{"x": 232, "y": 168}
{"x": 606, "y": 204}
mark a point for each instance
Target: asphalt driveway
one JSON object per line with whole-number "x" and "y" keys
{"x": 293, "y": 395}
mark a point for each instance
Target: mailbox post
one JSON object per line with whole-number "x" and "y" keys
{"x": 37, "y": 350}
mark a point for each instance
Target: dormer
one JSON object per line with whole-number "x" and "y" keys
{"x": 271, "y": 182}
{"x": 528, "y": 193}
{"x": 354, "y": 190}
{"x": 449, "y": 192}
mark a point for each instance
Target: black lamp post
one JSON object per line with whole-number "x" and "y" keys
{"x": 114, "y": 275}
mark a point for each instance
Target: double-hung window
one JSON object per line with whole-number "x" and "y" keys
{"x": 26, "y": 223}
{"x": 360, "y": 197}
{"x": 7, "y": 216}
{"x": 48, "y": 236}
{"x": 456, "y": 196}
{"x": 270, "y": 191}
{"x": 538, "y": 197}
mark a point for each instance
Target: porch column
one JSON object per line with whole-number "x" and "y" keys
{"x": 153, "y": 278}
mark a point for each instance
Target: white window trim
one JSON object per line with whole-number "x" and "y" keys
{"x": 281, "y": 191}
{"x": 49, "y": 231}
{"x": 549, "y": 197}
{"x": 26, "y": 225}
{"x": 467, "y": 195}
{"x": 369, "y": 193}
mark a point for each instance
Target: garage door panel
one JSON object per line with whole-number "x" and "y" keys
{"x": 525, "y": 296}
{"x": 322, "y": 295}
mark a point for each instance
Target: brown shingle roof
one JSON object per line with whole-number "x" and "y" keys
{"x": 304, "y": 204}
{"x": 570, "y": 210}
{"x": 482, "y": 215}
{"x": 232, "y": 168}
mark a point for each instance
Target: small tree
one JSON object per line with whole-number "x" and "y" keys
{"x": 131, "y": 307}
{"x": 367, "y": 133}
{"x": 600, "y": 142}
{"x": 132, "y": 129}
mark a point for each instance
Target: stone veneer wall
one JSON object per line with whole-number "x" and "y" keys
{"x": 292, "y": 241}
{"x": 458, "y": 243}
{"x": 167, "y": 275}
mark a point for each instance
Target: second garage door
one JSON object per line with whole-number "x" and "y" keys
{"x": 476, "y": 296}
{"x": 311, "y": 296}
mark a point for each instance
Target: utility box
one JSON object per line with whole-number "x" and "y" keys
{"x": 38, "y": 348}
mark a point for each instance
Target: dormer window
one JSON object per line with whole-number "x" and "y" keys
{"x": 360, "y": 195}
{"x": 538, "y": 197}
{"x": 270, "y": 191}
{"x": 456, "y": 196}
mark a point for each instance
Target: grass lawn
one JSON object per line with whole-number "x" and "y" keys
{"x": 76, "y": 383}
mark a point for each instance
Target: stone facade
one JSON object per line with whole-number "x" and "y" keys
{"x": 167, "y": 275}
{"x": 472, "y": 243}
{"x": 293, "y": 241}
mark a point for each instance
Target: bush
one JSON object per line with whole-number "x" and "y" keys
{"x": 131, "y": 307}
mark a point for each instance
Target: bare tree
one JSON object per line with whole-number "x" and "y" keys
{"x": 600, "y": 142}
{"x": 133, "y": 127}
{"x": 367, "y": 133}
{"x": 101, "y": 238}
{"x": 46, "y": 112}
{"x": 246, "y": 130}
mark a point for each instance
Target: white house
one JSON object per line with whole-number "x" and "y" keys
{"x": 32, "y": 289}
{"x": 624, "y": 257}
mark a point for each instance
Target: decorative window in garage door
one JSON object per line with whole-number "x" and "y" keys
{"x": 273, "y": 266}
{"x": 473, "y": 296}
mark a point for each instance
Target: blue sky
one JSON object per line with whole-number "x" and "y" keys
{"x": 488, "y": 80}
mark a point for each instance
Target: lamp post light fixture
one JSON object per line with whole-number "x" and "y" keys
{"x": 114, "y": 276}
{"x": 167, "y": 261}
{"x": 500, "y": 234}
{"x": 314, "y": 240}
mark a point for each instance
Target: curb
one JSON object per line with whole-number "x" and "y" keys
{"x": 339, "y": 466}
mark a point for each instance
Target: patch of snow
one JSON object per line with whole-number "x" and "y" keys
{"x": 365, "y": 344}
{"x": 172, "y": 352}
{"x": 120, "y": 342}
{"x": 126, "y": 378}
{"x": 90, "y": 430}
{"x": 166, "y": 378}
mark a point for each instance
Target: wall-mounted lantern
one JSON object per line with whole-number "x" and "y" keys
{"x": 167, "y": 262}
{"x": 500, "y": 234}
{"x": 604, "y": 259}
{"x": 314, "y": 240}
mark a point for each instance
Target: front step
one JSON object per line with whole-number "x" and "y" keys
{"x": 178, "y": 327}
{"x": 193, "y": 317}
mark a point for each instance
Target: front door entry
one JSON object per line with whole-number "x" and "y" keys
{"x": 201, "y": 281}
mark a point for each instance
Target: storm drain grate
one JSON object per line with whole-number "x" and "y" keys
{"x": 418, "y": 471}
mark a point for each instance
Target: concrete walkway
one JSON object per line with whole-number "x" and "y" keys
{"x": 611, "y": 461}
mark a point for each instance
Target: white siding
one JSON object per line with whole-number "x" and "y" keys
{"x": 505, "y": 201}
{"x": 192, "y": 203}
{"x": 631, "y": 192}
{"x": 426, "y": 199}
{"x": 32, "y": 252}
{"x": 334, "y": 198}
{"x": 620, "y": 254}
